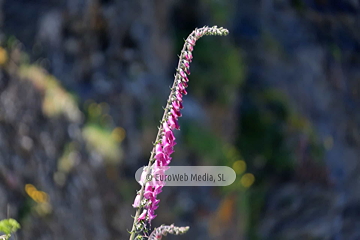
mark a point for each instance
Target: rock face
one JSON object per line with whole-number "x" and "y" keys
{"x": 31, "y": 145}
{"x": 112, "y": 52}
{"x": 121, "y": 54}
{"x": 310, "y": 51}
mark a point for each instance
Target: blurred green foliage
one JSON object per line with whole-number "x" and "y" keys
{"x": 100, "y": 133}
{"x": 8, "y": 226}
{"x": 203, "y": 142}
{"x": 57, "y": 100}
{"x": 217, "y": 80}
{"x": 104, "y": 142}
{"x": 263, "y": 128}
{"x": 270, "y": 132}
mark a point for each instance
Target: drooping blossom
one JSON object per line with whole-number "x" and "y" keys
{"x": 165, "y": 142}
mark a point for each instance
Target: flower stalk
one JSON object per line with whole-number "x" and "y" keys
{"x": 145, "y": 201}
{"x": 163, "y": 230}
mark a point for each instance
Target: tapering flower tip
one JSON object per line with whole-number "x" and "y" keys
{"x": 223, "y": 31}
{"x": 164, "y": 230}
{"x": 216, "y": 31}
{"x": 210, "y": 31}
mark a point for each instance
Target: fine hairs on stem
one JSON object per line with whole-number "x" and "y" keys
{"x": 146, "y": 200}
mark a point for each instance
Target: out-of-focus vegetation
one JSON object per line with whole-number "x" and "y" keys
{"x": 100, "y": 133}
{"x": 9, "y": 227}
{"x": 56, "y": 99}
{"x": 276, "y": 100}
{"x": 265, "y": 149}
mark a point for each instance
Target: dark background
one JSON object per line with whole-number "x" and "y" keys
{"x": 83, "y": 83}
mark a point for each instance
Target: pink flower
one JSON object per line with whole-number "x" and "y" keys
{"x": 142, "y": 215}
{"x": 168, "y": 149}
{"x": 164, "y": 161}
{"x": 155, "y": 205}
{"x": 188, "y": 56}
{"x": 167, "y": 145}
{"x": 158, "y": 148}
{"x": 173, "y": 123}
{"x": 191, "y": 41}
{"x": 187, "y": 72}
{"x": 182, "y": 73}
{"x": 182, "y": 89}
{"x": 178, "y": 96}
{"x": 157, "y": 190}
{"x": 176, "y": 105}
{"x": 143, "y": 177}
{"x": 149, "y": 193}
{"x": 169, "y": 135}
{"x": 165, "y": 140}
{"x": 186, "y": 64}
{"x": 190, "y": 47}
{"x": 158, "y": 175}
{"x": 151, "y": 214}
{"x": 175, "y": 112}
{"x": 198, "y": 33}
{"x": 166, "y": 127}
{"x": 160, "y": 156}
{"x": 136, "y": 203}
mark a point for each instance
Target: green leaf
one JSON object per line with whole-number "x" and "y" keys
{"x": 9, "y": 226}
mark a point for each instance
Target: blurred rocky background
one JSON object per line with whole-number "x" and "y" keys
{"x": 82, "y": 83}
